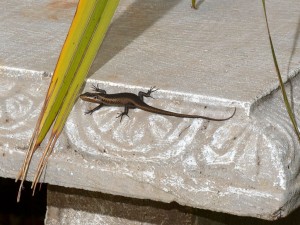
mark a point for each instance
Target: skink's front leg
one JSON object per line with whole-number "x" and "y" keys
{"x": 93, "y": 110}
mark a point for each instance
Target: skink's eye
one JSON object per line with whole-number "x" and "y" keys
{"x": 95, "y": 97}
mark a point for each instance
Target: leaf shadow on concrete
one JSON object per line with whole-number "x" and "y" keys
{"x": 136, "y": 19}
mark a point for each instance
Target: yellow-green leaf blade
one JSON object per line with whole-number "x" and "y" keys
{"x": 97, "y": 35}
{"x": 71, "y": 56}
{"x": 91, "y": 51}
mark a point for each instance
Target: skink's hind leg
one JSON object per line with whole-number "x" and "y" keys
{"x": 97, "y": 89}
{"x": 125, "y": 113}
{"x": 93, "y": 110}
{"x": 148, "y": 93}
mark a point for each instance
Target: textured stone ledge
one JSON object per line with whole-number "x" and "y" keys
{"x": 244, "y": 166}
{"x": 220, "y": 59}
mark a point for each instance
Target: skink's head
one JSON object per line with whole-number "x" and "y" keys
{"x": 90, "y": 97}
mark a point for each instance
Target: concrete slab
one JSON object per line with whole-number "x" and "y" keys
{"x": 206, "y": 62}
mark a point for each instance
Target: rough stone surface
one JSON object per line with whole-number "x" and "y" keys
{"x": 206, "y": 62}
{"x": 71, "y": 206}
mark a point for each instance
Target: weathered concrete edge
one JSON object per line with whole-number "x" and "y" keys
{"x": 105, "y": 180}
{"x": 273, "y": 88}
{"x": 188, "y": 97}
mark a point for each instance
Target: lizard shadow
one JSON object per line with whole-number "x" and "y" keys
{"x": 137, "y": 18}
